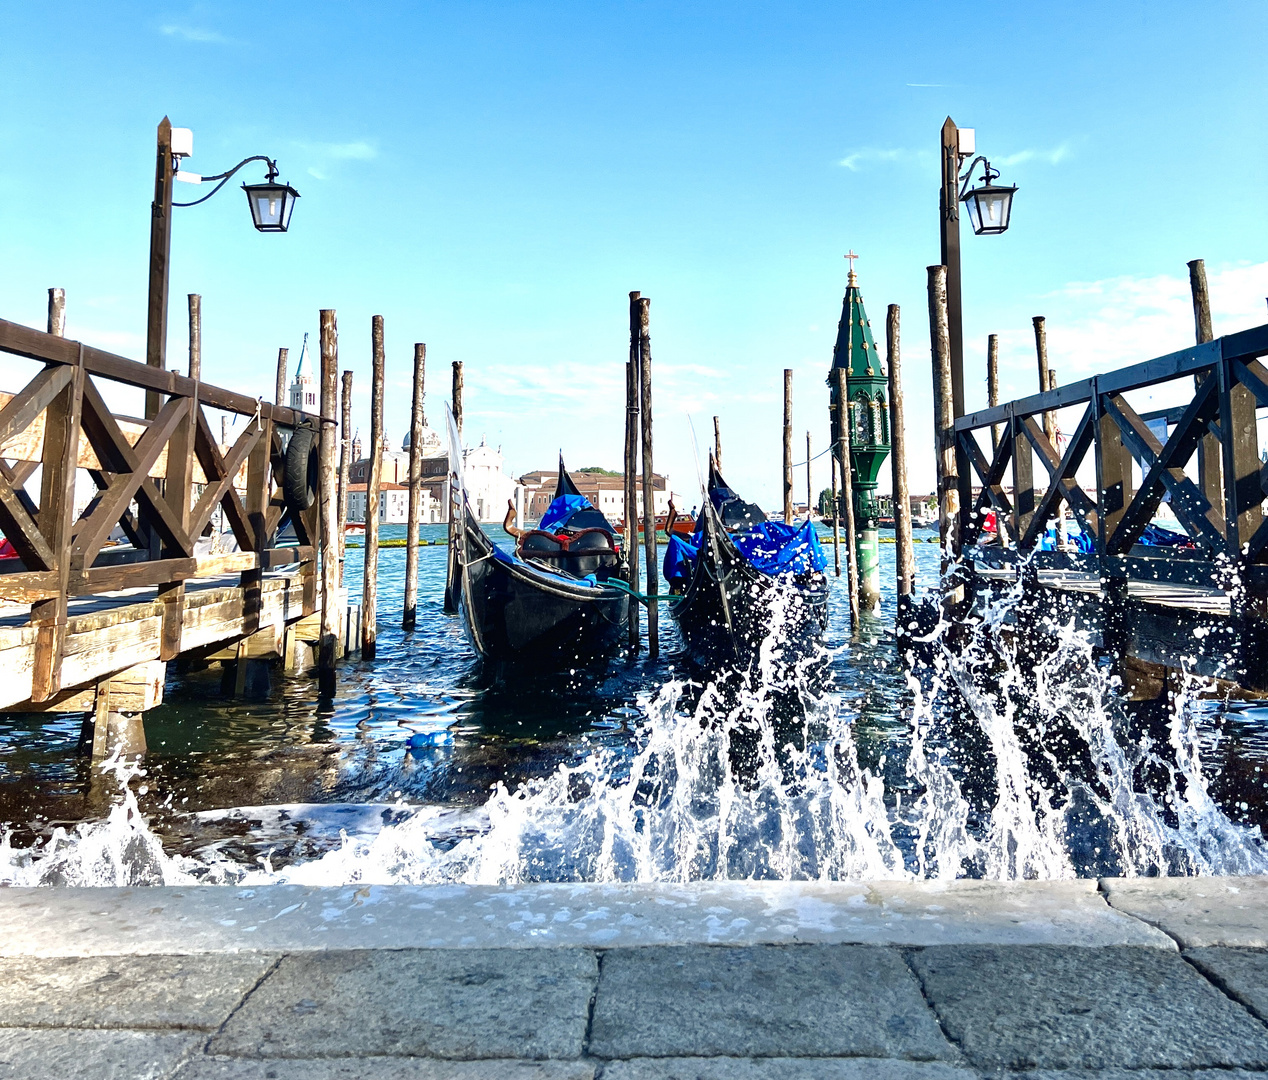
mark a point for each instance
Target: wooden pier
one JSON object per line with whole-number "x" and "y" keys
{"x": 87, "y": 625}
{"x": 1201, "y": 607}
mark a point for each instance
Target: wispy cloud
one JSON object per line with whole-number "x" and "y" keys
{"x": 195, "y": 33}
{"x": 930, "y": 84}
{"x": 868, "y": 155}
{"x": 1048, "y": 157}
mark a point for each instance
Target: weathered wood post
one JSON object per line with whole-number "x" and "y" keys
{"x": 717, "y": 444}
{"x": 847, "y": 494}
{"x": 57, "y": 312}
{"x": 345, "y": 464}
{"x": 1063, "y": 533}
{"x": 410, "y": 618}
{"x": 160, "y": 255}
{"x": 630, "y": 536}
{"x": 788, "y": 465}
{"x": 992, "y": 383}
{"x": 1210, "y": 475}
{"x": 370, "y": 569}
{"x": 944, "y": 418}
{"x": 649, "y": 488}
{"x": 454, "y": 511}
{"x": 279, "y": 384}
{"x": 904, "y": 555}
{"x": 836, "y": 518}
{"x": 810, "y": 497}
{"x": 328, "y": 642}
{"x": 1041, "y": 355}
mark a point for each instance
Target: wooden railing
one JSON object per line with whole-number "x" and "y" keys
{"x": 60, "y": 423}
{"x": 1220, "y": 510}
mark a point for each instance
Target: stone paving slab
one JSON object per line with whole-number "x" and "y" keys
{"x": 447, "y": 1003}
{"x": 1197, "y": 912}
{"x": 84, "y": 1054}
{"x": 126, "y": 991}
{"x": 730, "y": 1068}
{"x": 1132, "y": 1074}
{"x": 1068, "y": 1008}
{"x": 293, "y": 918}
{"x": 1240, "y": 973}
{"x": 381, "y": 1068}
{"x": 803, "y": 1001}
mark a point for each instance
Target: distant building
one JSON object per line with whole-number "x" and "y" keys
{"x": 393, "y": 504}
{"x": 488, "y": 486}
{"x": 304, "y": 389}
{"x": 606, "y": 492}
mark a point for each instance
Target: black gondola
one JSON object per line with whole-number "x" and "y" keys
{"x": 726, "y": 605}
{"x": 548, "y": 604}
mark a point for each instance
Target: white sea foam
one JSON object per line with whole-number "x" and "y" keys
{"x": 759, "y": 776}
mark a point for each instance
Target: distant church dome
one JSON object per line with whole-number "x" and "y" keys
{"x": 431, "y": 442}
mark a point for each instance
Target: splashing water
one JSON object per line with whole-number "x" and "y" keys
{"x": 1025, "y": 760}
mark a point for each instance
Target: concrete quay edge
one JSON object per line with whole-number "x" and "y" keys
{"x": 146, "y": 920}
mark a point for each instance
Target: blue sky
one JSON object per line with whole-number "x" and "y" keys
{"x": 494, "y": 178}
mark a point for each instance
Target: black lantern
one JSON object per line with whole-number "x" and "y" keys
{"x": 989, "y": 206}
{"x": 271, "y": 203}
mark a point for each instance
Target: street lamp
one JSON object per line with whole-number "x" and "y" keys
{"x": 989, "y": 206}
{"x": 270, "y": 203}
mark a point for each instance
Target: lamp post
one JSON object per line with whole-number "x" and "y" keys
{"x": 270, "y": 203}
{"x": 990, "y": 208}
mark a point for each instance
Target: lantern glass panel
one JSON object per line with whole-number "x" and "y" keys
{"x": 989, "y": 209}
{"x": 271, "y": 205}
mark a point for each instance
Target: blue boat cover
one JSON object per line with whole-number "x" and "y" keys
{"x": 510, "y": 560}
{"x": 771, "y": 547}
{"x": 561, "y": 509}
{"x": 775, "y": 548}
{"x": 679, "y": 556}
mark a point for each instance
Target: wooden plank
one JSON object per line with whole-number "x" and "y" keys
{"x": 57, "y": 501}
{"x": 1165, "y": 468}
{"x": 131, "y": 480}
{"x": 37, "y": 345}
{"x": 23, "y": 407}
{"x": 1061, "y": 485}
{"x": 1023, "y": 477}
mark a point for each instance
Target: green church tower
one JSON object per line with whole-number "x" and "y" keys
{"x": 867, "y": 414}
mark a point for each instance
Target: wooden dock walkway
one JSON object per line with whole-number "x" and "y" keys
{"x": 1201, "y": 604}
{"x": 87, "y": 625}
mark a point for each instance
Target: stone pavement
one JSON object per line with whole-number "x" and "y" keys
{"x": 1146, "y": 979}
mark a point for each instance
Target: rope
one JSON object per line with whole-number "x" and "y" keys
{"x": 642, "y": 598}
{"x": 799, "y": 464}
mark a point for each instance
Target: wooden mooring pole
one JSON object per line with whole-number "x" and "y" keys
{"x": 788, "y": 465}
{"x": 810, "y": 498}
{"x": 1041, "y": 355}
{"x": 944, "y": 417}
{"x": 370, "y": 570}
{"x": 454, "y": 511}
{"x": 328, "y": 642}
{"x": 631, "y": 467}
{"x": 410, "y": 617}
{"x": 836, "y": 519}
{"x": 717, "y": 444}
{"x": 847, "y": 494}
{"x": 57, "y": 312}
{"x": 992, "y": 383}
{"x": 279, "y": 380}
{"x": 1210, "y": 474}
{"x": 345, "y": 464}
{"x": 904, "y": 554}
{"x": 649, "y": 490}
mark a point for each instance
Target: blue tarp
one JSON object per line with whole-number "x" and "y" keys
{"x": 679, "y": 555}
{"x": 775, "y": 548}
{"x": 559, "y": 511}
{"x": 771, "y": 546}
{"x": 1156, "y": 536}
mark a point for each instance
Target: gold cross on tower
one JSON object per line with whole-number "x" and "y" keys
{"x": 853, "y": 280}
